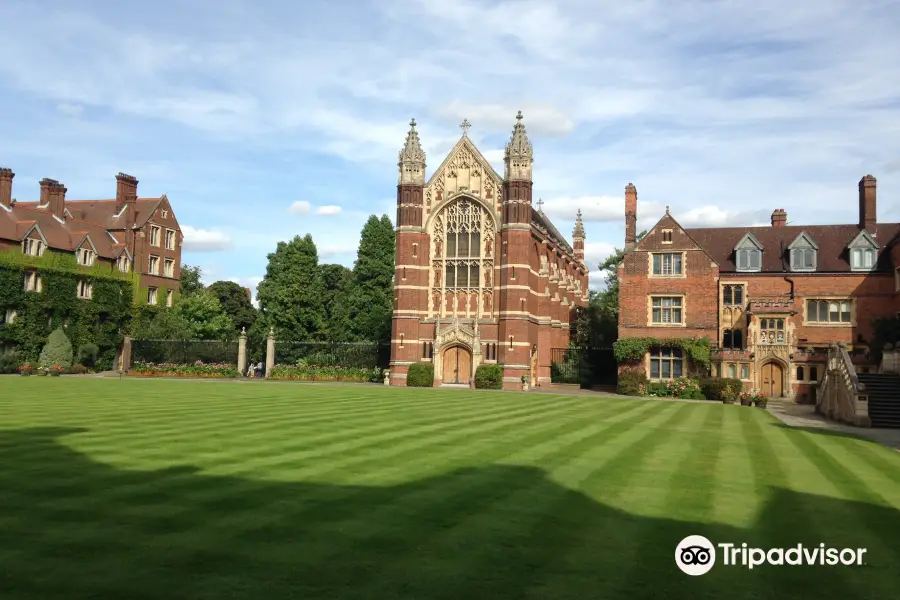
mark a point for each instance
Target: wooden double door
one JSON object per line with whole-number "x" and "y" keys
{"x": 772, "y": 380}
{"x": 457, "y": 365}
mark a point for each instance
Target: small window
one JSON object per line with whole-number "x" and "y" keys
{"x": 152, "y": 296}
{"x": 666, "y": 236}
{"x": 862, "y": 259}
{"x": 415, "y": 249}
{"x": 828, "y": 311}
{"x": 748, "y": 259}
{"x": 170, "y": 239}
{"x": 33, "y": 282}
{"x": 153, "y": 266}
{"x": 667, "y": 264}
{"x": 85, "y": 256}
{"x": 771, "y": 331}
{"x": 164, "y": 214}
{"x": 10, "y": 316}
{"x": 803, "y": 259}
{"x": 667, "y": 310}
{"x": 170, "y": 297}
{"x": 124, "y": 264}
{"x": 801, "y": 373}
{"x": 745, "y": 371}
{"x": 33, "y": 247}
{"x": 732, "y": 371}
{"x": 85, "y": 290}
{"x": 666, "y": 363}
{"x": 814, "y": 373}
{"x": 154, "y": 236}
{"x": 733, "y": 295}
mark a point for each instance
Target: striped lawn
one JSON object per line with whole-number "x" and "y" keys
{"x": 181, "y": 489}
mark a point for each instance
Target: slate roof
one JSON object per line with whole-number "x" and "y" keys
{"x": 539, "y": 218}
{"x": 15, "y": 225}
{"x": 833, "y": 255}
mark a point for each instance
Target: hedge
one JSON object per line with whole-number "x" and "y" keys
{"x": 713, "y": 387}
{"x": 489, "y": 377}
{"x": 632, "y": 383}
{"x": 420, "y": 374}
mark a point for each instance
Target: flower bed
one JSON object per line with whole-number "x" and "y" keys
{"x": 682, "y": 387}
{"x": 198, "y": 369}
{"x": 330, "y": 373}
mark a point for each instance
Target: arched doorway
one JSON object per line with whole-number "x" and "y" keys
{"x": 771, "y": 379}
{"x": 457, "y": 365}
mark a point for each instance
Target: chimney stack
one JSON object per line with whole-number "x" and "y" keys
{"x": 6, "y": 178}
{"x": 57, "y": 193}
{"x": 779, "y": 217}
{"x": 46, "y": 185}
{"x": 126, "y": 190}
{"x": 867, "y": 206}
{"x": 630, "y": 216}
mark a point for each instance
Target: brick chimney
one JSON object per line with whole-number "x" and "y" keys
{"x": 867, "y": 206}
{"x": 630, "y": 216}
{"x": 779, "y": 217}
{"x": 126, "y": 190}
{"x": 6, "y": 177}
{"x": 53, "y": 197}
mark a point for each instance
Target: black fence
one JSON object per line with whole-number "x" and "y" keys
{"x": 358, "y": 355}
{"x": 587, "y": 367}
{"x": 183, "y": 352}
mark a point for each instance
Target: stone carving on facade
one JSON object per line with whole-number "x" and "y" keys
{"x": 488, "y": 245}
{"x": 487, "y": 278}
{"x": 544, "y": 265}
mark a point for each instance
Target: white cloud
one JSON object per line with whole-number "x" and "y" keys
{"x": 205, "y": 240}
{"x": 593, "y": 208}
{"x": 300, "y": 207}
{"x": 73, "y": 110}
{"x": 541, "y": 119}
{"x": 328, "y": 210}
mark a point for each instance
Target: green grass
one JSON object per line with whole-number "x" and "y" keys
{"x": 181, "y": 489}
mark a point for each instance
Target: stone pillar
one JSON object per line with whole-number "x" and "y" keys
{"x": 126, "y": 354}
{"x": 270, "y": 351}
{"x": 242, "y": 351}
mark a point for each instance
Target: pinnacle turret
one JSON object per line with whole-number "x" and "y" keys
{"x": 578, "y": 232}
{"x": 412, "y": 158}
{"x": 519, "y": 155}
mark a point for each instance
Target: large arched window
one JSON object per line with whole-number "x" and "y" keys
{"x": 462, "y": 252}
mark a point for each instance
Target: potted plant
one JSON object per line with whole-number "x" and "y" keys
{"x": 525, "y": 383}
{"x": 42, "y": 371}
{"x": 25, "y": 369}
{"x": 55, "y": 370}
{"x": 760, "y": 400}
{"x": 746, "y": 399}
{"x": 727, "y": 395}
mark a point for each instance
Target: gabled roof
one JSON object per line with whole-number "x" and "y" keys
{"x": 103, "y": 212}
{"x": 803, "y": 240}
{"x": 539, "y": 218}
{"x": 469, "y": 145}
{"x": 748, "y": 238}
{"x": 833, "y": 240}
{"x": 863, "y": 240}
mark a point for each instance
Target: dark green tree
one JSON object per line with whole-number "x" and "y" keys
{"x": 159, "y": 323}
{"x": 190, "y": 280}
{"x": 205, "y": 318}
{"x": 370, "y": 298}
{"x": 597, "y": 324}
{"x": 291, "y": 296}
{"x": 337, "y": 279}
{"x": 235, "y": 303}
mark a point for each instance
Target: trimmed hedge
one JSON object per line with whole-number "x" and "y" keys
{"x": 713, "y": 387}
{"x": 489, "y": 377}
{"x": 420, "y": 374}
{"x": 632, "y": 383}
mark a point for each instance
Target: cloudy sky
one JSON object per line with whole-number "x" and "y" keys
{"x": 262, "y": 120}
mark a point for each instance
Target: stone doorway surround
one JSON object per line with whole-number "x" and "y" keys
{"x": 456, "y": 334}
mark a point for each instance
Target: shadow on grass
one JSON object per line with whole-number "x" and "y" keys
{"x": 890, "y": 437}
{"x": 75, "y": 528}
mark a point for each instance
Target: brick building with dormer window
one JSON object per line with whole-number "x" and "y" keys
{"x": 770, "y": 299}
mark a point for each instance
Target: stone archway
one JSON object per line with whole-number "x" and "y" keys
{"x": 456, "y": 365}
{"x": 772, "y": 379}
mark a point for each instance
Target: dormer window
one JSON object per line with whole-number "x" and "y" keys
{"x": 803, "y": 253}
{"x": 748, "y": 254}
{"x": 124, "y": 263}
{"x": 32, "y": 247}
{"x": 863, "y": 252}
{"x": 85, "y": 256}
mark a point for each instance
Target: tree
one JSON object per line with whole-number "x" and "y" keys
{"x": 370, "y": 298}
{"x": 204, "y": 318}
{"x": 57, "y": 351}
{"x": 159, "y": 323}
{"x": 597, "y": 324}
{"x": 291, "y": 296}
{"x": 235, "y": 303}
{"x": 190, "y": 281}
{"x": 337, "y": 280}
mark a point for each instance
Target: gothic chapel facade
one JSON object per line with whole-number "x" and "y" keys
{"x": 480, "y": 275}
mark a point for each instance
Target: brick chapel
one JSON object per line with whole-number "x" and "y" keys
{"x": 481, "y": 276}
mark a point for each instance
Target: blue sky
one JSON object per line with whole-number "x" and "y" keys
{"x": 263, "y": 120}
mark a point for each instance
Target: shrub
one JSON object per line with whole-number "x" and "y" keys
{"x": 57, "y": 350}
{"x": 10, "y": 362}
{"x": 78, "y": 369}
{"x": 198, "y": 369}
{"x": 305, "y": 372}
{"x": 420, "y": 374}
{"x": 632, "y": 383}
{"x": 714, "y": 387}
{"x": 87, "y": 355}
{"x": 489, "y": 377}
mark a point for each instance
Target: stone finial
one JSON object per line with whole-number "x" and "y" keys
{"x": 578, "y": 232}
{"x": 271, "y": 332}
{"x": 243, "y": 332}
{"x": 412, "y": 158}
{"x": 519, "y": 154}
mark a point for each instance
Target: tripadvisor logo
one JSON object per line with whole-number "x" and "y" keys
{"x": 696, "y": 555}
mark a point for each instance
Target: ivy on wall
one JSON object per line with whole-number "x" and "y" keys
{"x": 633, "y": 350}
{"x": 102, "y": 320}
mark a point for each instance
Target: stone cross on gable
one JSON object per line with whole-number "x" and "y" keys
{"x": 465, "y": 126}
{"x": 540, "y": 204}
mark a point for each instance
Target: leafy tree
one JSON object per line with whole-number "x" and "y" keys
{"x": 292, "y": 294}
{"x": 235, "y": 303}
{"x": 57, "y": 350}
{"x": 204, "y": 317}
{"x": 597, "y": 324}
{"x": 337, "y": 280}
{"x": 370, "y": 298}
{"x": 190, "y": 281}
{"x": 159, "y": 323}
